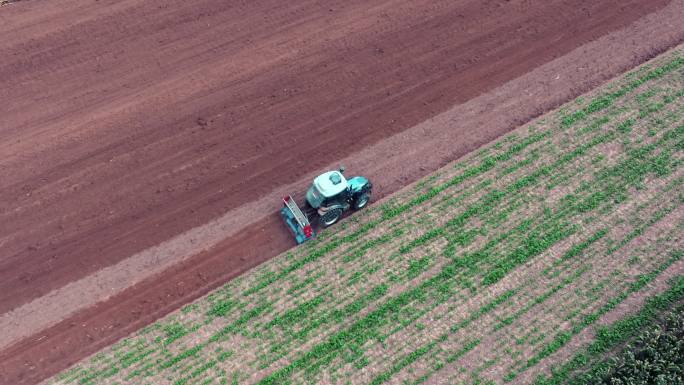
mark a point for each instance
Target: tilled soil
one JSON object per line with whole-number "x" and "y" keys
{"x": 127, "y": 123}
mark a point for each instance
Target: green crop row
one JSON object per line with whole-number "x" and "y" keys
{"x": 421, "y": 351}
{"x": 563, "y": 337}
{"x": 611, "y": 337}
{"x": 541, "y": 298}
{"x": 607, "y": 100}
{"x": 576, "y": 250}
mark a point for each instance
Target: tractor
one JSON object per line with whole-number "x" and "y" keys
{"x": 327, "y": 198}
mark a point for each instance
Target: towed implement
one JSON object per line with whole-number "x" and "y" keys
{"x": 330, "y": 195}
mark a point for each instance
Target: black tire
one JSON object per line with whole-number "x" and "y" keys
{"x": 361, "y": 201}
{"x": 331, "y": 217}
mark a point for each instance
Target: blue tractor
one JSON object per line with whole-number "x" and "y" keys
{"x": 329, "y": 196}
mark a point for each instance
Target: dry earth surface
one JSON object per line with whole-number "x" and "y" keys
{"x": 137, "y": 135}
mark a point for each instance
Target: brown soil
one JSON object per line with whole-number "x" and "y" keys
{"x": 125, "y": 124}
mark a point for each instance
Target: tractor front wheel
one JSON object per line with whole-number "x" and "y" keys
{"x": 331, "y": 217}
{"x": 361, "y": 201}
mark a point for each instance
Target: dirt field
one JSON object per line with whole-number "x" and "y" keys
{"x": 126, "y": 124}
{"x": 493, "y": 270}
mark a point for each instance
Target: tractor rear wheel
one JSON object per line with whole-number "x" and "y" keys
{"x": 331, "y": 217}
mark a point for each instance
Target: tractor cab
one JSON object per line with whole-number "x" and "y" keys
{"x": 330, "y": 194}
{"x": 327, "y": 189}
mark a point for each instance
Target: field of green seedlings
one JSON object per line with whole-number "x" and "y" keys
{"x": 486, "y": 272}
{"x": 644, "y": 348}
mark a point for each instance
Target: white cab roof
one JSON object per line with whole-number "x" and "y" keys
{"x": 330, "y": 183}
